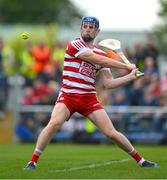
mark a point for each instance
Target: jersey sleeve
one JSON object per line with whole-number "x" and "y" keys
{"x": 76, "y": 47}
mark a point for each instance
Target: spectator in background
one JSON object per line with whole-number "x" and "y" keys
{"x": 8, "y": 60}
{"x": 149, "y": 66}
{"x": 25, "y": 129}
{"x": 3, "y": 83}
{"x": 1, "y": 80}
{"x": 160, "y": 118}
{"x": 41, "y": 120}
{"x": 150, "y": 50}
{"x": 155, "y": 86}
{"x": 29, "y": 98}
{"x": 42, "y": 55}
{"x": 52, "y": 72}
{"x": 54, "y": 87}
{"x": 138, "y": 55}
{"x": 147, "y": 117}
{"x": 1, "y": 47}
{"x": 164, "y": 81}
{"x": 58, "y": 54}
{"x": 119, "y": 98}
{"x": 40, "y": 89}
{"x": 27, "y": 61}
{"x": 39, "y": 93}
{"x": 135, "y": 93}
{"x": 148, "y": 99}
{"x": 150, "y": 70}
{"x": 3, "y": 93}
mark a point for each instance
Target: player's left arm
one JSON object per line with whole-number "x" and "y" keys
{"x": 111, "y": 83}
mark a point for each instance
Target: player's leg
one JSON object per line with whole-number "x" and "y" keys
{"x": 102, "y": 121}
{"x": 59, "y": 115}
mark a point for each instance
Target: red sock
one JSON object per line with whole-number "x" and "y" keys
{"x": 136, "y": 155}
{"x": 35, "y": 158}
{"x": 36, "y": 155}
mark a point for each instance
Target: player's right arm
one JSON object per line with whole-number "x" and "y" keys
{"x": 103, "y": 61}
{"x": 78, "y": 49}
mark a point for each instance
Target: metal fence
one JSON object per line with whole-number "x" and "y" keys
{"x": 144, "y": 125}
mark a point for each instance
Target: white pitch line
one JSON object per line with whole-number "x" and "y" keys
{"x": 92, "y": 165}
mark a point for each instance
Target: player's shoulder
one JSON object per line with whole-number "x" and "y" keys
{"x": 78, "y": 42}
{"x": 75, "y": 46}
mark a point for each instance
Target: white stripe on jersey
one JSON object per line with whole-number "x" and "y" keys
{"x": 68, "y": 56}
{"x": 76, "y": 91}
{"x": 79, "y": 85}
{"x": 72, "y": 64}
{"x": 77, "y": 44}
{"x": 78, "y": 75}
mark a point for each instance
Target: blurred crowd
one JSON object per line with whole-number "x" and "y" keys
{"x": 40, "y": 67}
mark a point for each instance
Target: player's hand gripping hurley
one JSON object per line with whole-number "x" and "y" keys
{"x": 115, "y": 45}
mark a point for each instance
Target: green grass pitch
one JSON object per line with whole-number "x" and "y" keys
{"x": 66, "y": 161}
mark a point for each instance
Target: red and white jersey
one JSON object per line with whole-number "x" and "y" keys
{"x": 79, "y": 76}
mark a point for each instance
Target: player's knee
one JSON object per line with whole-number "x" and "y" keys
{"x": 113, "y": 134}
{"x": 54, "y": 125}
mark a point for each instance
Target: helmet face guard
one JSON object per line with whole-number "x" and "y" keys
{"x": 90, "y": 19}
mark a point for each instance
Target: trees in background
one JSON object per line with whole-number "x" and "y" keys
{"x": 40, "y": 12}
{"x": 161, "y": 29}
